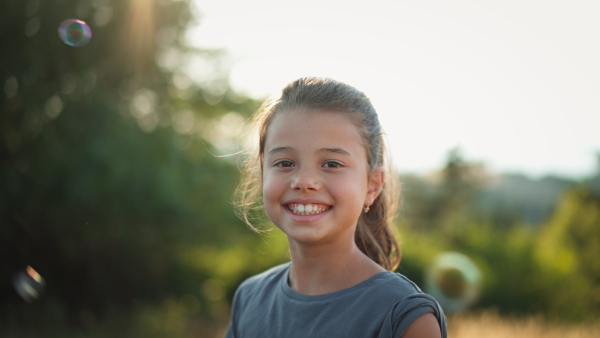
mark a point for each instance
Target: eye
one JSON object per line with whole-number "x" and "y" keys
{"x": 332, "y": 164}
{"x": 284, "y": 164}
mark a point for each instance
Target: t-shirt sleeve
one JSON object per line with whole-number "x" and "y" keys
{"x": 406, "y": 311}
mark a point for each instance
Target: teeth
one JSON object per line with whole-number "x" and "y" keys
{"x": 308, "y": 209}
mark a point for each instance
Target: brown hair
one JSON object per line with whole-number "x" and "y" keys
{"x": 373, "y": 235}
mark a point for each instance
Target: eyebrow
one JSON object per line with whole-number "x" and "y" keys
{"x": 335, "y": 150}
{"x": 279, "y": 149}
{"x": 331, "y": 150}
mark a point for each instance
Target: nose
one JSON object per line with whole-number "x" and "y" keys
{"x": 305, "y": 180}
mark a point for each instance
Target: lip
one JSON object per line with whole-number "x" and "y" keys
{"x": 306, "y": 218}
{"x": 305, "y": 201}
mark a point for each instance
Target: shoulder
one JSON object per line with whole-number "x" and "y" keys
{"x": 409, "y": 304}
{"x": 266, "y": 280}
{"x": 274, "y": 273}
{"x": 395, "y": 285}
{"x": 254, "y": 294}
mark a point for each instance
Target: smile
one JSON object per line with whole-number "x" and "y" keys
{"x": 307, "y": 209}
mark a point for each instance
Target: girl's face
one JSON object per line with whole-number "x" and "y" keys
{"x": 316, "y": 176}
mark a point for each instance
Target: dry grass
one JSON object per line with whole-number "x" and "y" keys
{"x": 489, "y": 324}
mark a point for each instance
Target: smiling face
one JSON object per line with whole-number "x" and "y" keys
{"x": 316, "y": 176}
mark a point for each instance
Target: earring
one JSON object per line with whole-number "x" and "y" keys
{"x": 367, "y": 207}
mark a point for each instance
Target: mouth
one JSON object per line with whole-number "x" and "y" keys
{"x": 307, "y": 209}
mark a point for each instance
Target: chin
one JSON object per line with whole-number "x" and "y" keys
{"x": 305, "y": 237}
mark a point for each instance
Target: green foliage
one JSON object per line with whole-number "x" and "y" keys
{"x": 106, "y": 156}
{"x": 517, "y": 276}
{"x": 549, "y": 268}
{"x": 569, "y": 247}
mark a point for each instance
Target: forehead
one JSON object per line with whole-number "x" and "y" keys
{"x": 305, "y": 127}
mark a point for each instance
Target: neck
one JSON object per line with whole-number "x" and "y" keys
{"x": 323, "y": 269}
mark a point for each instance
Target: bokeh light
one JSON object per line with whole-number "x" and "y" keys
{"x": 454, "y": 280}
{"x": 28, "y": 284}
{"x": 75, "y": 33}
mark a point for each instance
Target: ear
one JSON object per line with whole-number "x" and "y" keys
{"x": 375, "y": 185}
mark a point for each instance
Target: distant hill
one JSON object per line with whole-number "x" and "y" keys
{"x": 500, "y": 199}
{"x": 466, "y": 188}
{"x": 514, "y": 197}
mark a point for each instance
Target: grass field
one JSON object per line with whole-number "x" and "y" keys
{"x": 489, "y": 324}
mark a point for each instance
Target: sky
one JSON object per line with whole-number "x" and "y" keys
{"x": 514, "y": 84}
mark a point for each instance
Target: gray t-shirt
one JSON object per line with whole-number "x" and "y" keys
{"x": 382, "y": 306}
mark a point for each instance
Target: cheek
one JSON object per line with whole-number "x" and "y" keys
{"x": 349, "y": 186}
{"x": 271, "y": 191}
{"x": 272, "y": 194}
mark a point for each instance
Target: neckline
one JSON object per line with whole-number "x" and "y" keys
{"x": 288, "y": 291}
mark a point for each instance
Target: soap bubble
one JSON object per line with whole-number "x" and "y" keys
{"x": 454, "y": 281}
{"x": 74, "y": 32}
{"x": 28, "y": 284}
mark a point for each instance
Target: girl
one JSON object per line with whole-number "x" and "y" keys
{"x": 325, "y": 184}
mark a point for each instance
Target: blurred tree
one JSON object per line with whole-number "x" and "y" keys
{"x": 105, "y": 158}
{"x": 569, "y": 245}
{"x": 442, "y": 200}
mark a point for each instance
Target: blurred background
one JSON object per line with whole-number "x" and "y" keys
{"x": 115, "y": 194}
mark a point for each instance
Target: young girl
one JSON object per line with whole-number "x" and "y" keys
{"x": 321, "y": 172}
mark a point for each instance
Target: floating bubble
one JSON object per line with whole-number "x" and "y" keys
{"x": 74, "y": 32}
{"x": 28, "y": 284}
{"x": 454, "y": 281}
